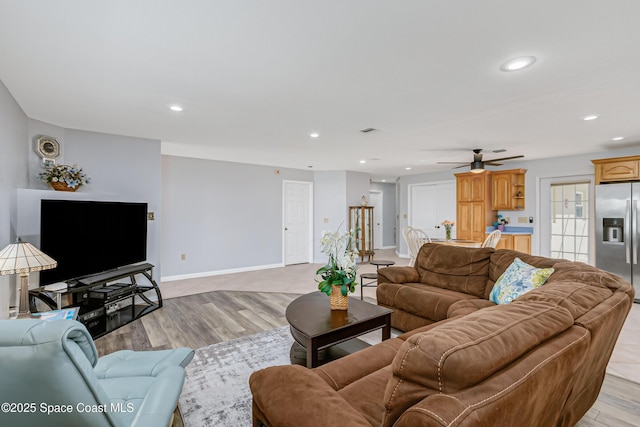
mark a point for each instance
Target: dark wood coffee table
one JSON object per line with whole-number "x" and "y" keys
{"x": 316, "y": 327}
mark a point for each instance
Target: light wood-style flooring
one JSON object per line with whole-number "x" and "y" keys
{"x": 203, "y": 319}
{"x": 200, "y": 320}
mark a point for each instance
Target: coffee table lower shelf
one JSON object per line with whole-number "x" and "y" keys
{"x": 322, "y": 335}
{"x": 298, "y": 353}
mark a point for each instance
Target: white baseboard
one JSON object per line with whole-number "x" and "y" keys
{"x": 164, "y": 279}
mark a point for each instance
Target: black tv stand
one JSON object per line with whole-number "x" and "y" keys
{"x": 105, "y": 304}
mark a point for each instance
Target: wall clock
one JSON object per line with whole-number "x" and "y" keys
{"x": 48, "y": 148}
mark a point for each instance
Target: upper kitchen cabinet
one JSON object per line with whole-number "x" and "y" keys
{"x": 507, "y": 190}
{"x": 617, "y": 169}
{"x": 471, "y": 187}
{"x": 473, "y": 205}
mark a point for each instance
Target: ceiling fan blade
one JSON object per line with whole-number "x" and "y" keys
{"x": 505, "y": 158}
{"x": 493, "y": 164}
{"x": 452, "y": 163}
{"x": 466, "y": 165}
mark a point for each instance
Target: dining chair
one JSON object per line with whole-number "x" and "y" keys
{"x": 414, "y": 238}
{"x": 492, "y": 239}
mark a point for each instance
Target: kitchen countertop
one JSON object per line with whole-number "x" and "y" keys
{"x": 511, "y": 230}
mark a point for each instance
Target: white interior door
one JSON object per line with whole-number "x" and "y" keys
{"x": 375, "y": 200}
{"x": 297, "y": 222}
{"x": 430, "y": 204}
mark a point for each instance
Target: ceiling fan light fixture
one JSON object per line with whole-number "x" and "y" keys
{"x": 477, "y": 167}
{"x": 515, "y": 64}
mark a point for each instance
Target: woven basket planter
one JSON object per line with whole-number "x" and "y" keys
{"x": 338, "y": 301}
{"x": 62, "y": 186}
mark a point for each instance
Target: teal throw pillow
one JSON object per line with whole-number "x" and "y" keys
{"x": 518, "y": 279}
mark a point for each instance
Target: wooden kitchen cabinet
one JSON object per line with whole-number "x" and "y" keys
{"x": 473, "y": 205}
{"x": 617, "y": 169}
{"x": 522, "y": 243}
{"x": 517, "y": 242}
{"x": 508, "y": 190}
{"x": 471, "y": 187}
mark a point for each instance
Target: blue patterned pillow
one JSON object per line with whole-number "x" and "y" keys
{"x": 518, "y": 279}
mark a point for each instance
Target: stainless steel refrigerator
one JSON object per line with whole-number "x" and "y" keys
{"x": 618, "y": 231}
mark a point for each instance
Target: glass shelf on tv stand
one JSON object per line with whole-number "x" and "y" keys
{"x": 77, "y": 292}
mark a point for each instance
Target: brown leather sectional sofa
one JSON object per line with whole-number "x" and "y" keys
{"x": 464, "y": 361}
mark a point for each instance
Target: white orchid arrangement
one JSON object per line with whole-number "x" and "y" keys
{"x": 341, "y": 269}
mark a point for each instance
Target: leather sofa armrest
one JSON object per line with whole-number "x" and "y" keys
{"x": 293, "y": 395}
{"x": 127, "y": 363}
{"x": 400, "y": 274}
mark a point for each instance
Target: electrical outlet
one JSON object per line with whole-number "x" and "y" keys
{"x": 183, "y": 257}
{"x": 150, "y": 216}
{"x": 523, "y": 220}
{"x": 326, "y": 220}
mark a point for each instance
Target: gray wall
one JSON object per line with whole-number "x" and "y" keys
{"x": 121, "y": 168}
{"x": 13, "y": 174}
{"x": 221, "y": 215}
{"x": 335, "y": 191}
{"x": 388, "y": 212}
{"x": 330, "y": 207}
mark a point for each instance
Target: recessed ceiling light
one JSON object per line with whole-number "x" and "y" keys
{"x": 314, "y": 134}
{"x": 591, "y": 117}
{"x": 175, "y": 108}
{"x": 618, "y": 138}
{"x": 519, "y": 63}
{"x": 363, "y": 161}
{"x": 408, "y": 168}
{"x": 384, "y": 180}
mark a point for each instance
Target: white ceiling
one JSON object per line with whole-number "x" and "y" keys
{"x": 255, "y": 77}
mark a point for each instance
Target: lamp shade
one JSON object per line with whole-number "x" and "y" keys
{"x": 21, "y": 257}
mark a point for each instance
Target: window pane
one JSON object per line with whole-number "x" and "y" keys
{"x": 569, "y": 221}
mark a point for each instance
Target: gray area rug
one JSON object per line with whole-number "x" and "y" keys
{"x": 216, "y": 390}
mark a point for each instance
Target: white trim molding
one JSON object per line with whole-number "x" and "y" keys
{"x": 218, "y": 272}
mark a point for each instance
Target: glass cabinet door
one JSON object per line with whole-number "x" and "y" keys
{"x": 361, "y": 221}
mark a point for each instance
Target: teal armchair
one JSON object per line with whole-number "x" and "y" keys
{"x": 50, "y": 375}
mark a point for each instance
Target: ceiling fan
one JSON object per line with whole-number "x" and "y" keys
{"x": 477, "y": 166}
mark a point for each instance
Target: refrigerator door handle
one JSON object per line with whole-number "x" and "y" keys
{"x": 627, "y": 233}
{"x": 634, "y": 229}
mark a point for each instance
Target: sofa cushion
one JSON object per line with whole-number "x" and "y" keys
{"x": 466, "y": 306}
{"x": 577, "y": 298}
{"x": 426, "y": 301}
{"x": 584, "y": 273}
{"x": 439, "y": 361}
{"x": 357, "y": 365}
{"x": 458, "y": 269}
{"x": 518, "y": 279}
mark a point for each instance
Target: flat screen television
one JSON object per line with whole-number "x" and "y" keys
{"x": 90, "y": 237}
